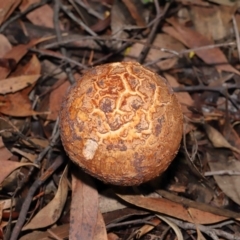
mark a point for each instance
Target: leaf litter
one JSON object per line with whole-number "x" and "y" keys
{"x": 45, "y": 45}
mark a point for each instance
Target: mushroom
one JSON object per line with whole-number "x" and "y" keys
{"x": 121, "y": 123}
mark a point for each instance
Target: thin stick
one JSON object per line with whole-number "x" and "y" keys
{"x": 152, "y": 34}
{"x": 25, "y": 207}
{"x": 59, "y": 38}
{"x": 25, "y": 12}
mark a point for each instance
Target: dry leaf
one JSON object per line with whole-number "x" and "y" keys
{"x": 205, "y": 18}
{"x": 7, "y": 203}
{"x": 237, "y": 17}
{"x": 14, "y": 84}
{"x": 199, "y": 234}
{"x": 62, "y": 231}
{"x": 17, "y": 53}
{"x": 7, "y": 167}
{"x": 100, "y": 232}
{"x": 217, "y": 139}
{"x": 194, "y": 39}
{"x": 7, "y": 8}
{"x": 33, "y": 67}
{"x": 185, "y": 100}
{"x": 229, "y": 184}
{"x": 53, "y": 210}
{"x": 30, "y": 156}
{"x": 42, "y": 16}
{"x": 55, "y": 100}
{"x": 84, "y": 207}
{"x": 5, "y": 45}
{"x": 1, "y": 210}
{"x": 227, "y": 2}
{"x": 108, "y": 202}
{"x": 4, "y": 152}
{"x": 112, "y": 236}
{"x": 173, "y": 209}
{"x": 135, "y": 11}
{"x": 231, "y": 136}
{"x": 162, "y": 41}
{"x": 183, "y": 97}
{"x": 38, "y": 141}
{"x": 17, "y": 104}
{"x": 172, "y": 32}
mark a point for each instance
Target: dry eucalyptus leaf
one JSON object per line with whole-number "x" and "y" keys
{"x": 1, "y": 210}
{"x": 7, "y": 7}
{"x": 7, "y": 203}
{"x": 41, "y": 16}
{"x": 231, "y": 135}
{"x": 194, "y": 39}
{"x": 112, "y": 236}
{"x": 17, "y": 104}
{"x": 55, "y": 100}
{"x": 84, "y": 211}
{"x": 9, "y": 184}
{"x": 30, "y": 156}
{"x": 53, "y": 210}
{"x": 136, "y": 9}
{"x": 62, "y": 231}
{"x": 228, "y": 183}
{"x": 164, "y": 41}
{"x": 41, "y": 142}
{"x": 183, "y": 97}
{"x": 5, "y": 45}
{"x": 8, "y": 167}
{"x": 227, "y": 2}
{"x": 173, "y": 209}
{"x": 108, "y": 202}
{"x": 205, "y": 18}
{"x": 14, "y": 84}
{"x": 16, "y": 54}
{"x": 199, "y": 234}
{"x": 4, "y": 152}
{"x": 32, "y": 67}
{"x": 100, "y": 232}
{"x": 217, "y": 139}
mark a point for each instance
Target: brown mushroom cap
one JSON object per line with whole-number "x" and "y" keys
{"x": 121, "y": 123}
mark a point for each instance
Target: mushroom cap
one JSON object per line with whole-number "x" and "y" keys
{"x": 121, "y": 123}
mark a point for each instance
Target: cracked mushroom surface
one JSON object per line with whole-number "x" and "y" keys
{"x": 121, "y": 123}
